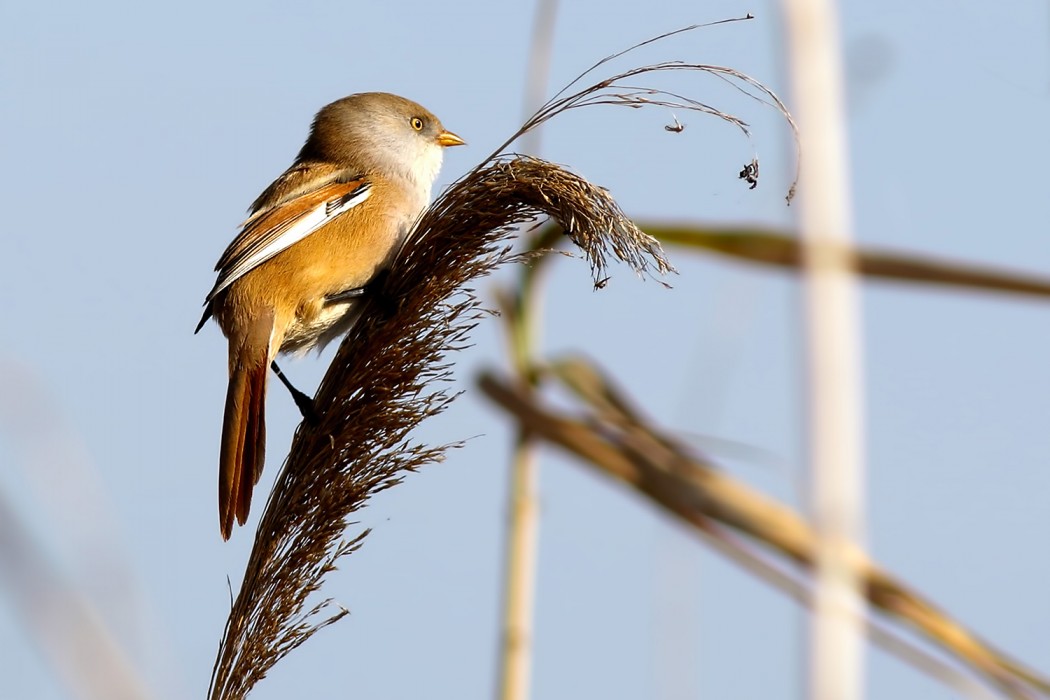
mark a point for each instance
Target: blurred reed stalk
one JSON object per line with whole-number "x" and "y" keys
{"x": 770, "y": 247}
{"x": 605, "y": 431}
{"x": 68, "y": 629}
{"x": 75, "y": 634}
{"x": 523, "y": 325}
{"x": 835, "y": 427}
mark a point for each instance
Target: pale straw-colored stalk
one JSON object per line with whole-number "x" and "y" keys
{"x": 832, "y": 350}
{"x": 522, "y": 543}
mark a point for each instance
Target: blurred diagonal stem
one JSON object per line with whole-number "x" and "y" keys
{"x": 771, "y": 247}
{"x": 73, "y": 631}
{"x": 68, "y": 629}
{"x": 605, "y": 431}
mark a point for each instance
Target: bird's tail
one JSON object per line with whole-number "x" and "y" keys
{"x": 243, "y": 449}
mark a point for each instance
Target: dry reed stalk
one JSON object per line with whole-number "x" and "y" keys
{"x": 521, "y": 550}
{"x": 765, "y": 246}
{"x": 612, "y": 436}
{"x": 832, "y": 339}
{"x": 522, "y": 554}
{"x": 383, "y": 380}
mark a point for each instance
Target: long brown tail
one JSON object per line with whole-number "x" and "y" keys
{"x": 243, "y": 448}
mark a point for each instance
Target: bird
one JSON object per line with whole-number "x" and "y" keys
{"x": 292, "y": 278}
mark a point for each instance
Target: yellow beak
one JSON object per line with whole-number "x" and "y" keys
{"x": 447, "y": 138}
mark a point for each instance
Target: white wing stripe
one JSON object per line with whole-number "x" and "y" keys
{"x": 303, "y": 227}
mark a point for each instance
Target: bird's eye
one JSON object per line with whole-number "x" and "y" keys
{"x": 416, "y": 123}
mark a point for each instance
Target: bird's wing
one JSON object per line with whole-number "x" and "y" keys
{"x": 269, "y": 232}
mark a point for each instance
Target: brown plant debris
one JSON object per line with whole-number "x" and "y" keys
{"x": 750, "y": 175}
{"x": 676, "y": 128}
{"x": 610, "y": 435}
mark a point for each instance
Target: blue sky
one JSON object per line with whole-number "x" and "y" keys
{"x": 134, "y": 136}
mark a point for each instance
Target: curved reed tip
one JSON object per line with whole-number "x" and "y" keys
{"x": 516, "y": 189}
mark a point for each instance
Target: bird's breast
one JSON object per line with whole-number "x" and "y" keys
{"x": 318, "y": 324}
{"x": 345, "y": 255}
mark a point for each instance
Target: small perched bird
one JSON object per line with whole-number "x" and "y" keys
{"x": 313, "y": 240}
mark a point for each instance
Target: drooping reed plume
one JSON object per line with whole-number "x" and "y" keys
{"x": 389, "y": 372}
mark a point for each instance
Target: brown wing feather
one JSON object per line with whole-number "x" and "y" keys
{"x": 288, "y": 198}
{"x": 269, "y": 226}
{"x": 299, "y": 179}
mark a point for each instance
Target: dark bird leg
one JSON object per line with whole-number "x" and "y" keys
{"x": 374, "y": 289}
{"x": 349, "y": 294}
{"x": 304, "y": 402}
